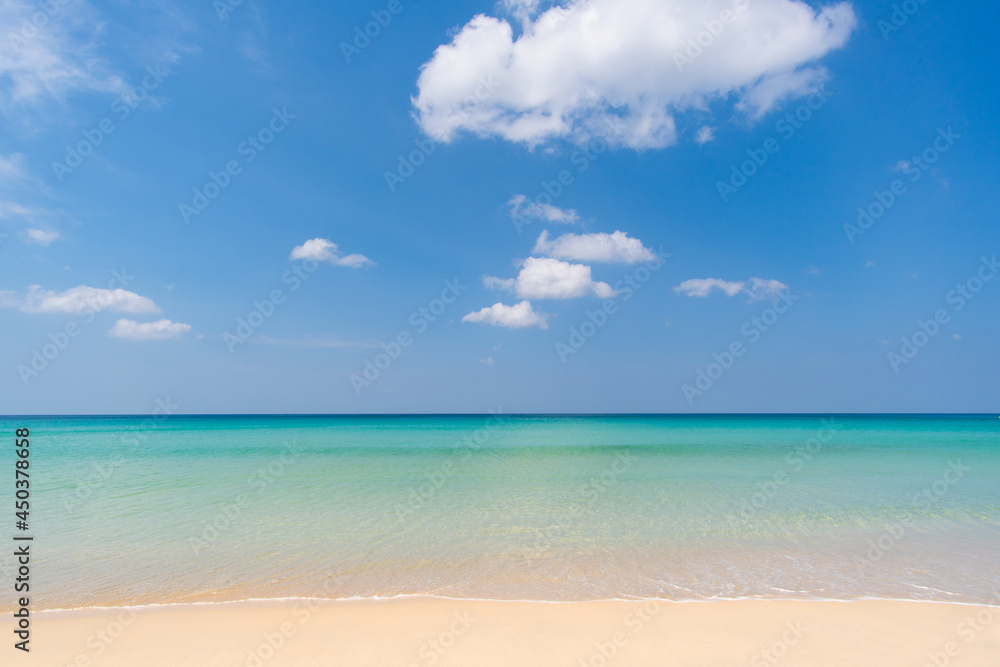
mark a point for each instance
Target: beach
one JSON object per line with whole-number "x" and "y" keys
{"x": 432, "y": 631}
{"x": 515, "y": 539}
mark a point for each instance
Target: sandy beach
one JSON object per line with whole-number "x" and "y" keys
{"x": 435, "y": 631}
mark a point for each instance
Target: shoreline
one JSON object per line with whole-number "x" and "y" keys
{"x": 425, "y": 630}
{"x": 995, "y": 604}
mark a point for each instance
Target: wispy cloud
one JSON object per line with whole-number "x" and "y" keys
{"x": 77, "y": 300}
{"x": 522, "y": 207}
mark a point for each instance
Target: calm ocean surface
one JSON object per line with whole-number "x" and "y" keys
{"x": 126, "y": 510}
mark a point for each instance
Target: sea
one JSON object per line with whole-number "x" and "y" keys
{"x": 133, "y": 510}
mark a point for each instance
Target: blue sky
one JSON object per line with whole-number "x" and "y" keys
{"x": 421, "y": 292}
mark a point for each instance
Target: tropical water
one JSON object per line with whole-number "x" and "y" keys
{"x": 132, "y": 510}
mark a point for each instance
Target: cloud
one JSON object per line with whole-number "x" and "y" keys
{"x": 161, "y": 330}
{"x": 54, "y": 59}
{"x": 614, "y": 248}
{"x": 519, "y": 316}
{"x": 584, "y": 67}
{"x": 547, "y": 278}
{"x": 756, "y": 288}
{"x": 78, "y": 300}
{"x": 702, "y": 287}
{"x": 705, "y": 135}
{"x": 323, "y": 250}
{"x": 520, "y": 207}
{"x": 489, "y": 361}
{"x": 42, "y": 237}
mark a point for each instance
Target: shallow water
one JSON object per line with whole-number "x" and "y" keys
{"x": 126, "y": 510}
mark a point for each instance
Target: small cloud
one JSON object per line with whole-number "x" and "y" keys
{"x": 756, "y": 288}
{"x": 161, "y": 330}
{"x": 613, "y": 248}
{"x": 705, "y": 135}
{"x": 667, "y": 324}
{"x": 324, "y": 250}
{"x": 882, "y": 341}
{"x": 869, "y": 264}
{"x": 811, "y": 270}
{"x": 702, "y": 287}
{"x": 957, "y": 337}
{"x": 41, "y": 237}
{"x": 519, "y": 316}
{"x": 489, "y": 361}
{"x": 520, "y": 207}
{"x": 902, "y": 165}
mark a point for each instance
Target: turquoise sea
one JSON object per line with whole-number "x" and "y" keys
{"x": 134, "y": 510}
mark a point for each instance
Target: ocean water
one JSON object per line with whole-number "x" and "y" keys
{"x": 131, "y": 510}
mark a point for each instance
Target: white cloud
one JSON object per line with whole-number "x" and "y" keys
{"x": 42, "y": 237}
{"x": 705, "y": 135}
{"x": 489, "y": 361}
{"x": 519, "y": 316}
{"x": 520, "y": 207}
{"x": 616, "y": 247}
{"x": 547, "y": 278}
{"x": 582, "y": 67}
{"x": 161, "y": 330}
{"x": 756, "y": 288}
{"x": 78, "y": 300}
{"x": 702, "y": 287}
{"x": 323, "y": 250}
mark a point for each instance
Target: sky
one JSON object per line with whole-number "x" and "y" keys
{"x": 587, "y": 206}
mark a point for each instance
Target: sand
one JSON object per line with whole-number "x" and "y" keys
{"x": 420, "y": 631}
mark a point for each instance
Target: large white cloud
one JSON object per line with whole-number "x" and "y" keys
{"x": 756, "y": 288}
{"x": 623, "y": 69}
{"x": 77, "y": 300}
{"x": 324, "y": 250}
{"x": 617, "y": 247}
{"x": 548, "y": 278}
{"x": 518, "y": 316}
{"x": 161, "y": 330}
